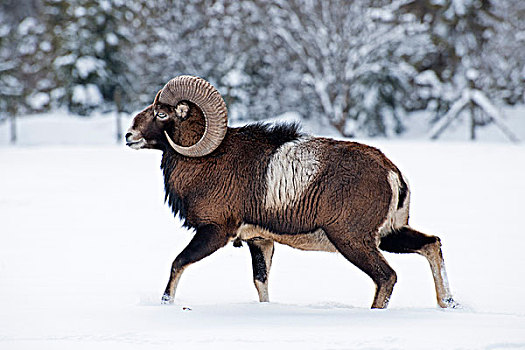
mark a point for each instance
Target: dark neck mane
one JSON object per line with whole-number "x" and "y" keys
{"x": 177, "y": 203}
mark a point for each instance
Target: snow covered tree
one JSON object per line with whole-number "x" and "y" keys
{"x": 340, "y": 60}
{"x": 88, "y": 45}
{"x": 216, "y": 40}
{"x": 502, "y": 72}
{"x": 24, "y": 59}
{"x": 357, "y": 65}
{"x": 471, "y": 53}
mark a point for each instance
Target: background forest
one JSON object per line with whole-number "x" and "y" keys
{"x": 359, "y": 66}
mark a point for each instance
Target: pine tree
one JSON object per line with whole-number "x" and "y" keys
{"x": 24, "y": 78}
{"x": 88, "y": 46}
{"x": 471, "y": 52}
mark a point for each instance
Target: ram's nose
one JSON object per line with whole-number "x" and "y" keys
{"x": 135, "y": 140}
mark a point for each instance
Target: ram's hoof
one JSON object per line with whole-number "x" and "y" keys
{"x": 450, "y": 303}
{"x": 166, "y": 299}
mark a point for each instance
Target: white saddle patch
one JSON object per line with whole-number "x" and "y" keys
{"x": 290, "y": 171}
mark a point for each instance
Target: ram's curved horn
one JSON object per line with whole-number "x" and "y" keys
{"x": 156, "y": 100}
{"x": 209, "y": 100}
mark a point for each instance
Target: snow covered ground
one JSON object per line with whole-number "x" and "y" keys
{"x": 86, "y": 244}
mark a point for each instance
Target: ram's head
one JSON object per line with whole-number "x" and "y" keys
{"x": 186, "y": 108}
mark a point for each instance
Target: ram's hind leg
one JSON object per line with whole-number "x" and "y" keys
{"x": 408, "y": 240}
{"x": 361, "y": 250}
{"x": 262, "y": 253}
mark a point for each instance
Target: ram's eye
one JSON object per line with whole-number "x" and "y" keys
{"x": 161, "y": 115}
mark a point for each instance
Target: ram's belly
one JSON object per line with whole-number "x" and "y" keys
{"x": 315, "y": 240}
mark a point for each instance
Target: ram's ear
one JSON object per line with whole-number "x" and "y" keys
{"x": 182, "y": 110}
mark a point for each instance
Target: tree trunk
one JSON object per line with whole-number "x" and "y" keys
{"x": 472, "y": 121}
{"x": 117, "y": 97}
{"x": 340, "y": 126}
{"x": 11, "y": 110}
{"x": 13, "y": 137}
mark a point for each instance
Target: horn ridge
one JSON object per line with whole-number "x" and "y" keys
{"x": 211, "y": 103}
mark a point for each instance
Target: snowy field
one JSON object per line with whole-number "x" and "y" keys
{"x": 86, "y": 244}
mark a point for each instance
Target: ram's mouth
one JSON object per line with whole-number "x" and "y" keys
{"x": 136, "y": 144}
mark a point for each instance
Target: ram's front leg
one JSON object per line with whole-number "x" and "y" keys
{"x": 207, "y": 240}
